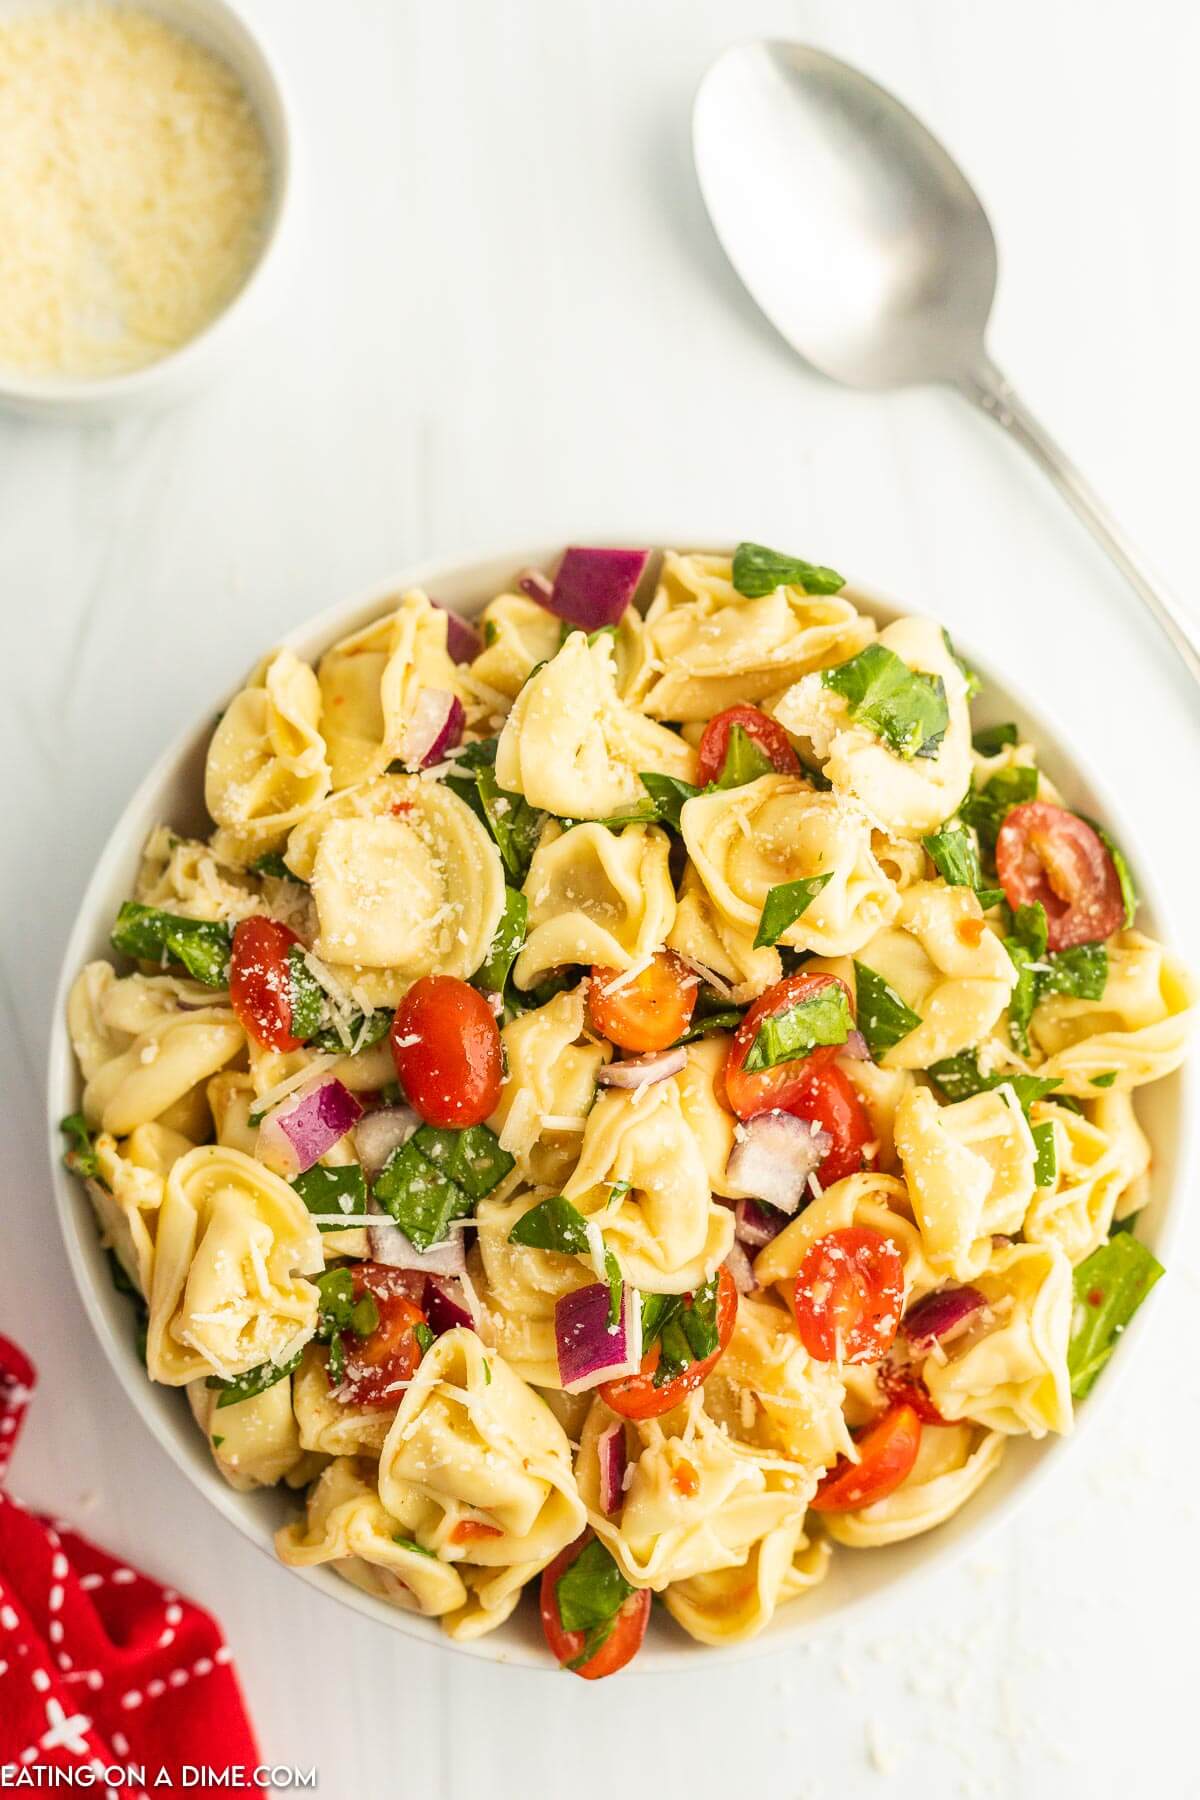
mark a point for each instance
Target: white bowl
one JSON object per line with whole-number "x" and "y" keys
{"x": 220, "y": 29}
{"x": 171, "y": 793}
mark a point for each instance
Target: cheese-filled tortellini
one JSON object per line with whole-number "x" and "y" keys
{"x": 709, "y": 940}
{"x": 255, "y": 1442}
{"x": 596, "y": 896}
{"x": 727, "y": 1606}
{"x": 1136, "y": 1032}
{"x": 953, "y": 1462}
{"x": 518, "y": 634}
{"x": 641, "y": 1175}
{"x": 747, "y": 840}
{"x": 518, "y": 1287}
{"x": 329, "y": 1424}
{"x": 908, "y": 796}
{"x": 709, "y": 647}
{"x": 267, "y": 764}
{"x": 406, "y": 882}
{"x": 183, "y": 875}
{"x": 1009, "y": 1371}
{"x": 877, "y": 1201}
{"x": 127, "y": 1193}
{"x": 970, "y": 1173}
{"x": 552, "y": 1063}
{"x": 573, "y": 747}
{"x": 370, "y": 685}
{"x": 232, "y": 1251}
{"x": 767, "y": 1391}
{"x": 1093, "y": 1169}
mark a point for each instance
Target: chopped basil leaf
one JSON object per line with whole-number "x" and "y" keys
{"x": 363, "y": 1031}
{"x": 954, "y": 855}
{"x": 217, "y": 1442}
{"x": 744, "y": 761}
{"x": 332, "y": 1191}
{"x": 437, "y": 1177}
{"x": 514, "y": 824}
{"x": 974, "y": 684}
{"x": 273, "y": 865}
{"x": 727, "y": 1020}
{"x": 491, "y": 631}
{"x": 491, "y": 976}
{"x": 686, "y": 1330}
{"x": 407, "y": 1543}
{"x": 993, "y": 738}
{"x": 592, "y": 1590}
{"x": 424, "y": 1337}
{"x": 1124, "y": 873}
{"x": 467, "y": 763}
{"x": 904, "y": 708}
{"x": 655, "y": 1308}
{"x": 785, "y": 904}
{"x": 253, "y": 1381}
{"x": 958, "y": 1077}
{"x": 121, "y": 1278}
{"x": 307, "y": 995}
{"x": 80, "y": 1155}
{"x": 1081, "y": 972}
{"x": 823, "y": 1018}
{"x": 669, "y": 794}
{"x": 339, "y": 1311}
{"x": 616, "y": 1288}
{"x": 1103, "y": 1081}
{"x": 487, "y": 1372}
{"x": 883, "y": 1017}
{"x": 201, "y": 946}
{"x": 552, "y": 1224}
{"x": 758, "y": 571}
{"x": 1045, "y": 1166}
{"x": 1110, "y": 1285}
{"x": 986, "y": 808}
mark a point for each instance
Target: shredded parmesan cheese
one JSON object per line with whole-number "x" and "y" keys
{"x": 134, "y": 181}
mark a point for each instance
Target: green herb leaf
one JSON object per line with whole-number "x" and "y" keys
{"x": 954, "y": 855}
{"x": 616, "y": 1288}
{"x": 407, "y": 1543}
{"x": 1103, "y": 1081}
{"x": 424, "y": 1337}
{"x": 1129, "y": 894}
{"x": 822, "y": 1018}
{"x": 514, "y": 824}
{"x": 273, "y": 865}
{"x": 987, "y": 807}
{"x": 883, "y": 1017}
{"x": 785, "y": 904}
{"x": 363, "y": 1031}
{"x": 686, "y": 1330}
{"x": 669, "y": 794}
{"x": 1110, "y": 1285}
{"x": 437, "y": 1177}
{"x": 253, "y": 1381}
{"x": 758, "y": 571}
{"x": 991, "y": 739}
{"x": 80, "y": 1156}
{"x": 553, "y": 1224}
{"x": 904, "y": 708}
{"x": 201, "y": 946}
{"x": 958, "y": 1077}
{"x": 505, "y": 947}
{"x": 1081, "y": 972}
{"x": 592, "y": 1591}
{"x": 744, "y": 761}
{"x": 969, "y": 675}
{"x": 341, "y": 1190}
{"x": 308, "y": 997}
{"x": 1045, "y": 1166}
{"x": 728, "y": 1019}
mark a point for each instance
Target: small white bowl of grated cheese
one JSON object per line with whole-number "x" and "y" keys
{"x": 145, "y": 174}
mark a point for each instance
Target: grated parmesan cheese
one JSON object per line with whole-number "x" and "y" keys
{"x": 134, "y": 182}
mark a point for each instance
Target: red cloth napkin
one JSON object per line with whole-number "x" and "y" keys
{"x": 99, "y": 1665}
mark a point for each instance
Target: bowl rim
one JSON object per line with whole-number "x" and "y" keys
{"x": 260, "y": 74}
{"x": 178, "y": 1435}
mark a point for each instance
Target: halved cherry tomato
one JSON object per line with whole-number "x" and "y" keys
{"x": 647, "y": 1013}
{"x": 777, "y": 1089}
{"x": 260, "y": 981}
{"x": 636, "y": 1397}
{"x": 623, "y": 1641}
{"x": 446, "y": 1048}
{"x": 1045, "y": 853}
{"x": 831, "y": 1100}
{"x": 900, "y": 1381}
{"x": 375, "y": 1364}
{"x": 887, "y": 1451}
{"x": 849, "y": 1295}
{"x": 770, "y": 738}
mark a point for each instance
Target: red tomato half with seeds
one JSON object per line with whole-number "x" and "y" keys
{"x": 446, "y": 1048}
{"x": 1045, "y": 853}
{"x": 623, "y": 1641}
{"x": 887, "y": 1451}
{"x": 260, "y": 981}
{"x": 636, "y": 1397}
{"x": 849, "y": 1296}
{"x": 377, "y": 1364}
{"x": 900, "y": 1381}
{"x": 775, "y": 1090}
{"x": 647, "y": 1013}
{"x": 769, "y": 737}
{"x": 831, "y": 1101}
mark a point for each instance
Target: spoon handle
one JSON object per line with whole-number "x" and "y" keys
{"x": 987, "y": 387}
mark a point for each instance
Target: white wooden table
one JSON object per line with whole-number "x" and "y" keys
{"x": 509, "y": 320}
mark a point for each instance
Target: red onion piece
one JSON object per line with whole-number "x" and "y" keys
{"x": 640, "y": 1071}
{"x": 593, "y": 587}
{"x": 297, "y": 1133}
{"x": 755, "y": 1224}
{"x": 462, "y": 639}
{"x": 610, "y": 1452}
{"x": 774, "y": 1156}
{"x": 588, "y": 1351}
{"x": 937, "y": 1318}
{"x": 394, "y": 1247}
{"x": 738, "y": 1264}
{"x": 446, "y": 1304}
{"x": 855, "y": 1047}
{"x": 435, "y": 727}
{"x": 536, "y": 585}
{"x": 380, "y": 1132}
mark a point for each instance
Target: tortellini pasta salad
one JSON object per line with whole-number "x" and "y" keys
{"x": 629, "y": 1099}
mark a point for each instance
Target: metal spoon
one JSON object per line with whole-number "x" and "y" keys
{"x": 867, "y": 248}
